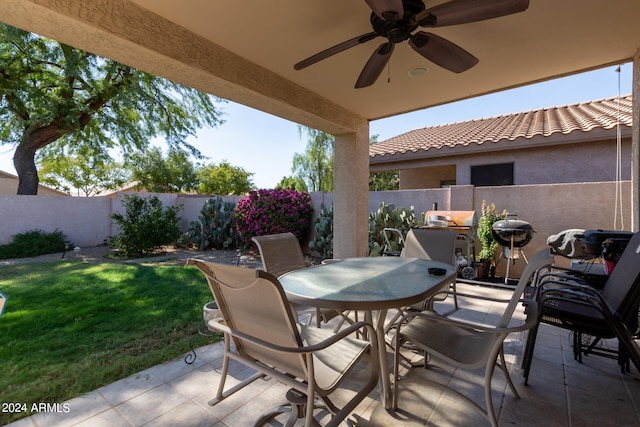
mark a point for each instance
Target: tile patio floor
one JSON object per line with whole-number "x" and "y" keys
{"x": 561, "y": 391}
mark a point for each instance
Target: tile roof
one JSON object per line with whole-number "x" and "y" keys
{"x": 582, "y": 117}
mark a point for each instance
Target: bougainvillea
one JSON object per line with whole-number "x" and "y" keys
{"x": 274, "y": 211}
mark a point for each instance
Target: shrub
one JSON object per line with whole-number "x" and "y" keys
{"x": 34, "y": 243}
{"x": 323, "y": 240}
{"x": 388, "y": 215}
{"x": 274, "y": 211}
{"x": 215, "y": 228}
{"x": 489, "y": 215}
{"x": 145, "y": 226}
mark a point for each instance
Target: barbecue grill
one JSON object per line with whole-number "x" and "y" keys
{"x": 512, "y": 232}
{"x": 466, "y": 223}
{"x": 512, "y": 235}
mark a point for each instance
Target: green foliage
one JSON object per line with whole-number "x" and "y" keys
{"x": 34, "y": 243}
{"x": 323, "y": 240}
{"x": 52, "y": 94}
{"x": 157, "y": 174}
{"x": 215, "y": 228}
{"x": 146, "y": 226}
{"x": 384, "y": 181}
{"x": 274, "y": 211}
{"x": 388, "y": 215}
{"x": 292, "y": 183}
{"x": 315, "y": 166}
{"x": 71, "y": 327}
{"x": 224, "y": 179}
{"x": 82, "y": 172}
{"x": 489, "y": 215}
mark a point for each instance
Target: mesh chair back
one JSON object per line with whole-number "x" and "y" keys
{"x": 436, "y": 245}
{"x": 280, "y": 253}
{"x": 253, "y": 302}
{"x": 622, "y": 290}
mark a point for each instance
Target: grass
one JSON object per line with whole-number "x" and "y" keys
{"x": 71, "y": 327}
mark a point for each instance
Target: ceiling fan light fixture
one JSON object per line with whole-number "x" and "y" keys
{"x": 387, "y": 9}
{"x": 418, "y": 71}
{"x": 396, "y": 21}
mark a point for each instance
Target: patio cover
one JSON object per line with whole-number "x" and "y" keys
{"x": 245, "y": 51}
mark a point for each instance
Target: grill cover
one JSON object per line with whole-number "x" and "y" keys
{"x": 593, "y": 240}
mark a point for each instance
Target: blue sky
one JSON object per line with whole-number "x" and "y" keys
{"x": 264, "y": 144}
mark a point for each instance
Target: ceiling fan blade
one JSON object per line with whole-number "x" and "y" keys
{"x": 375, "y": 65}
{"x": 457, "y": 12}
{"x": 335, "y": 49}
{"x": 390, "y": 10}
{"x": 442, "y": 52}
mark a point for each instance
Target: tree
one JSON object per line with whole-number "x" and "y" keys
{"x": 224, "y": 179}
{"x": 315, "y": 166}
{"x": 173, "y": 174}
{"x": 293, "y": 183}
{"x": 380, "y": 181}
{"x": 82, "y": 173}
{"x": 53, "y": 95}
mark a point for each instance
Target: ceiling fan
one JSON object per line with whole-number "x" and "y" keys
{"x": 396, "y": 20}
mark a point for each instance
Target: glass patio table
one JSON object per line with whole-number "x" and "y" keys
{"x": 371, "y": 284}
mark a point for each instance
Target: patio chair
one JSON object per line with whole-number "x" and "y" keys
{"x": 314, "y": 362}
{"x": 466, "y": 345}
{"x": 437, "y": 245}
{"x": 392, "y": 246}
{"x": 571, "y": 302}
{"x": 280, "y": 254}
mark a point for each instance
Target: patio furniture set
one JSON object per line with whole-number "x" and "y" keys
{"x": 267, "y": 324}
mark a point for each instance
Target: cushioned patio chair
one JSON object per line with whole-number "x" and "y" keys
{"x": 314, "y": 362}
{"x": 570, "y": 302}
{"x": 466, "y": 345}
{"x": 281, "y": 253}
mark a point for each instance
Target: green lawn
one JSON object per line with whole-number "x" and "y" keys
{"x": 71, "y": 327}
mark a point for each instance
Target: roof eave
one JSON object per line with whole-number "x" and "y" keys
{"x": 520, "y": 143}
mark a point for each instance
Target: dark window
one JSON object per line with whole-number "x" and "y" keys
{"x": 491, "y": 175}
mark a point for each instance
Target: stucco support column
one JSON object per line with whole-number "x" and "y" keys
{"x": 635, "y": 145}
{"x": 351, "y": 193}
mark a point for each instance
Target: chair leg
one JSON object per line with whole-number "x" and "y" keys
{"x": 299, "y": 406}
{"x": 222, "y": 394}
{"x": 577, "y": 346}
{"x": 505, "y": 370}
{"x": 487, "y": 393}
{"x": 528, "y": 353}
{"x": 455, "y": 295}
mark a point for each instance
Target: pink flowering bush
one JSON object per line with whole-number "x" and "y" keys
{"x": 273, "y": 211}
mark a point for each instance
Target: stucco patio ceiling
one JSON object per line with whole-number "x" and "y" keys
{"x": 262, "y": 40}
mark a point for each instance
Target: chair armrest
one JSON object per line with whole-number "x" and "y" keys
{"x": 219, "y": 326}
{"x": 531, "y": 310}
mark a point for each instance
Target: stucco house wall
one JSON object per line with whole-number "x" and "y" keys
{"x": 591, "y": 161}
{"x": 9, "y": 185}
